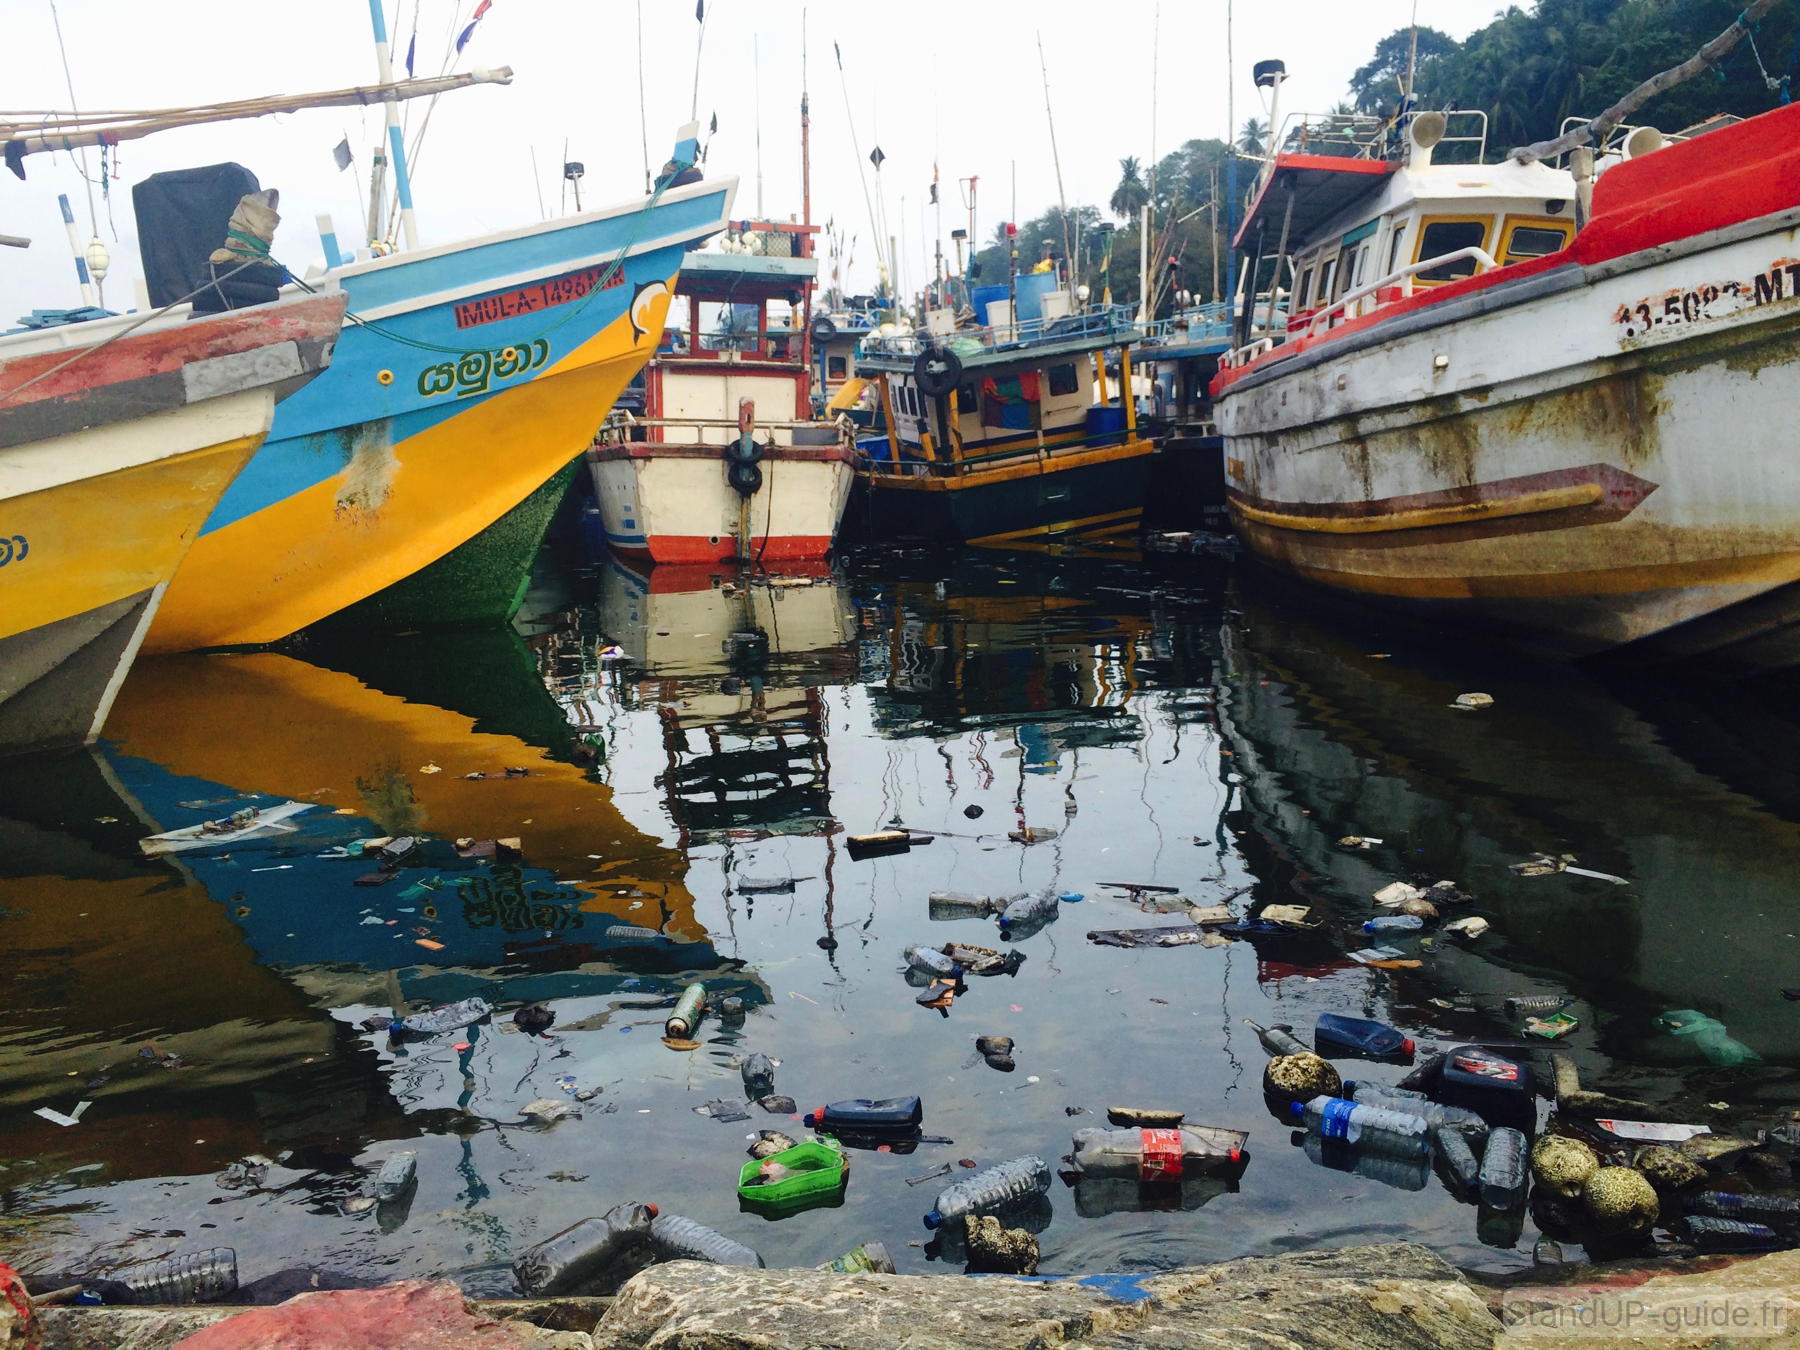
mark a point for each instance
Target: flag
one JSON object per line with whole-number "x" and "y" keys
{"x": 463, "y": 38}
{"x": 412, "y": 45}
{"x": 713, "y": 130}
{"x": 700, "y": 10}
{"x": 341, "y": 153}
{"x": 934, "y": 185}
{"x": 875, "y": 158}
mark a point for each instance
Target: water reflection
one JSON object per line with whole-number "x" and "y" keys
{"x": 696, "y": 747}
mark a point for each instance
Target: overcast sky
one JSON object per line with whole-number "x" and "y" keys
{"x": 955, "y": 82}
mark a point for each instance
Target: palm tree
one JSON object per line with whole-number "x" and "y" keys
{"x": 1251, "y": 138}
{"x": 1129, "y": 197}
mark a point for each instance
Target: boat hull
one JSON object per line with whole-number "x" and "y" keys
{"x": 672, "y": 503}
{"x": 1089, "y": 493}
{"x": 476, "y": 373}
{"x": 1592, "y": 457}
{"x": 112, "y": 452}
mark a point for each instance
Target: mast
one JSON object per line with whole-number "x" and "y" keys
{"x": 384, "y": 65}
{"x": 756, "y": 67}
{"x": 805, "y": 133}
{"x": 1062, "y": 204}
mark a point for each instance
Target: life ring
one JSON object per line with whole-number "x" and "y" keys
{"x": 938, "y": 371}
{"x": 745, "y": 479}
{"x": 823, "y": 329}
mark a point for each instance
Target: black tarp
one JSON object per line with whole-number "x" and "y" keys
{"x": 181, "y": 218}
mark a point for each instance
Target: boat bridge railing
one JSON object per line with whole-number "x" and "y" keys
{"x": 1104, "y": 325}
{"x": 621, "y": 424}
{"x": 1350, "y": 304}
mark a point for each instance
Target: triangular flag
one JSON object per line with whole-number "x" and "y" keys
{"x": 412, "y": 45}
{"x": 700, "y": 10}
{"x": 341, "y": 153}
{"x": 875, "y": 158}
{"x": 463, "y": 37}
{"x": 713, "y": 130}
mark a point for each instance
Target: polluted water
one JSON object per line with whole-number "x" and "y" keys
{"x": 669, "y": 889}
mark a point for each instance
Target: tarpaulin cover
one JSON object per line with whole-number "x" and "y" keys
{"x": 181, "y": 218}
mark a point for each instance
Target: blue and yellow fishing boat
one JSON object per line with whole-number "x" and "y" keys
{"x": 468, "y": 376}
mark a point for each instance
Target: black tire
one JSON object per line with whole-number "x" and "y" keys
{"x": 823, "y": 329}
{"x": 745, "y": 479}
{"x": 741, "y": 451}
{"x": 938, "y": 371}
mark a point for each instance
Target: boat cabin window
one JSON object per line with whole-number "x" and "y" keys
{"x": 836, "y": 367}
{"x": 1447, "y": 235}
{"x": 1063, "y": 380}
{"x": 1325, "y": 272}
{"x": 1528, "y": 237}
{"x": 1393, "y": 263}
{"x": 1303, "y": 288}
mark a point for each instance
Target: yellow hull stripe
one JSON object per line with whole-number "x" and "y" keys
{"x": 310, "y": 555}
{"x": 1083, "y": 525}
{"x": 980, "y": 476}
{"x": 97, "y": 540}
{"x": 1423, "y": 518}
{"x": 265, "y": 721}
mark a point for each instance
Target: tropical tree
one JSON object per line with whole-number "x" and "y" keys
{"x": 1252, "y": 137}
{"x": 1130, "y": 195}
{"x": 1378, "y": 82}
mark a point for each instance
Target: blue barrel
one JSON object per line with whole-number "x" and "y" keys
{"x": 1106, "y": 425}
{"x": 875, "y": 447}
{"x": 980, "y": 296}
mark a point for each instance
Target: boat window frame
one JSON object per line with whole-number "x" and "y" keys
{"x": 1328, "y": 270}
{"x": 1510, "y": 224}
{"x": 1303, "y": 288}
{"x": 1450, "y": 218}
{"x": 1395, "y": 240}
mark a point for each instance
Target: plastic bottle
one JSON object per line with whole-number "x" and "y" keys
{"x": 1497, "y": 1088}
{"x": 1503, "y": 1169}
{"x": 931, "y": 961}
{"x": 198, "y": 1277}
{"x": 1403, "y": 1174}
{"x": 1339, "y": 1035}
{"x": 1417, "y": 1104}
{"x": 1726, "y": 1205}
{"x": 1155, "y": 1155}
{"x": 862, "y": 1115}
{"x": 583, "y": 1252}
{"x": 679, "y": 1239}
{"x": 1375, "y": 1129}
{"x": 1394, "y": 923}
{"x": 1028, "y": 910}
{"x": 396, "y": 1176}
{"x": 1458, "y": 1159}
{"x": 1732, "y": 1235}
{"x": 1536, "y": 1003}
{"x": 965, "y": 904}
{"x": 1278, "y": 1040}
{"x": 759, "y": 1076}
{"x": 1004, "y": 1184}
{"x": 871, "y": 1256}
{"x": 682, "y": 1022}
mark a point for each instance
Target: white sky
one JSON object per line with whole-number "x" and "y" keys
{"x": 955, "y": 81}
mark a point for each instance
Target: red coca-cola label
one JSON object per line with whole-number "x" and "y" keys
{"x": 1162, "y": 1156}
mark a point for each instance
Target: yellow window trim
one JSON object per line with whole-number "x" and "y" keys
{"x": 1561, "y": 224}
{"x": 1424, "y": 224}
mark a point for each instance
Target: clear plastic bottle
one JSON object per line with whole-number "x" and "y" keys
{"x": 1732, "y": 1235}
{"x": 1028, "y": 911}
{"x": 448, "y": 1017}
{"x": 681, "y": 1239}
{"x": 931, "y": 961}
{"x": 1376, "y": 1129}
{"x": 1394, "y": 923}
{"x": 1155, "y": 1155}
{"x": 1458, "y": 1158}
{"x": 996, "y": 1188}
{"x": 396, "y": 1176}
{"x": 759, "y": 1076}
{"x": 1418, "y": 1104}
{"x": 1278, "y": 1040}
{"x": 871, "y": 1257}
{"x": 1403, "y": 1174}
{"x": 1503, "y": 1169}
{"x": 584, "y": 1252}
{"x": 198, "y": 1277}
{"x": 1727, "y": 1205}
{"x": 965, "y": 904}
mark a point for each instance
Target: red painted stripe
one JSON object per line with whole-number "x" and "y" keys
{"x": 798, "y": 454}
{"x": 679, "y": 578}
{"x": 699, "y": 548}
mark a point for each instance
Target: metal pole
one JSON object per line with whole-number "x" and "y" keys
{"x": 396, "y": 145}
{"x": 81, "y": 267}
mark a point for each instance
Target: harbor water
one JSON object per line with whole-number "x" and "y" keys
{"x": 691, "y": 747}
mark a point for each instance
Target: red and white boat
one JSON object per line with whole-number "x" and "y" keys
{"x": 727, "y": 461}
{"x": 1547, "y": 403}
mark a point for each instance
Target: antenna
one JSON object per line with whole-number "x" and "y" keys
{"x": 537, "y": 181}
{"x": 756, "y": 67}
{"x": 805, "y": 133}
{"x": 1062, "y": 204}
{"x": 643, "y": 122}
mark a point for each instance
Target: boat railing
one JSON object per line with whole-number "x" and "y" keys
{"x": 942, "y": 463}
{"x": 1401, "y": 279}
{"x": 621, "y": 426}
{"x": 1102, "y": 324}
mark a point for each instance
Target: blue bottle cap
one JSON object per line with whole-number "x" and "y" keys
{"x": 933, "y": 1219}
{"x": 1071, "y": 897}
{"x": 1296, "y": 1108}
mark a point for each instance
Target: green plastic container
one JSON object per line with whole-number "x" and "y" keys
{"x": 821, "y": 1172}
